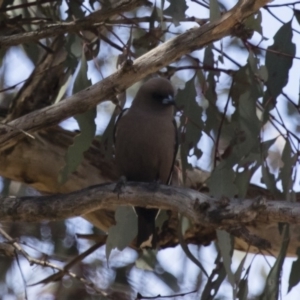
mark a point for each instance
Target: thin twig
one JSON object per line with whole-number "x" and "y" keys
{"x": 139, "y": 296}
{"x": 44, "y": 263}
{"x": 20, "y": 130}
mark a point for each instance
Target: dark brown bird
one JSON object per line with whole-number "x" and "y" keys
{"x": 146, "y": 146}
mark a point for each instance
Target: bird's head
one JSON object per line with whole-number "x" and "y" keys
{"x": 156, "y": 93}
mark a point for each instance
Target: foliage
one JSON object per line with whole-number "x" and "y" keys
{"x": 238, "y": 118}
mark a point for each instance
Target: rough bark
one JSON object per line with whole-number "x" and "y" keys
{"x": 232, "y": 215}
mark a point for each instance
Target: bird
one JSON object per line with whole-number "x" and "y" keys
{"x": 146, "y": 144}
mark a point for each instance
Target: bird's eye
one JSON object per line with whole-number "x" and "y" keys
{"x": 164, "y": 98}
{"x": 158, "y": 96}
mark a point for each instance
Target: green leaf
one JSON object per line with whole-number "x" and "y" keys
{"x": 243, "y": 286}
{"x": 286, "y": 172}
{"x": 245, "y": 93}
{"x": 269, "y": 180}
{"x": 221, "y": 182}
{"x": 32, "y": 50}
{"x": 125, "y": 230}
{"x": 254, "y": 22}
{"x": 295, "y": 272}
{"x": 225, "y": 245}
{"x": 86, "y": 122}
{"x": 209, "y": 87}
{"x": 214, "y": 10}
{"x": 190, "y": 122}
{"x": 297, "y": 14}
{"x": 263, "y": 73}
{"x": 75, "y": 9}
{"x": 279, "y": 59}
{"x": 170, "y": 281}
{"x": 182, "y": 222}
{"x": 73, "y": 46}
{"x": 238, "y": 272}
{"x": 271, "y": 291}
{"x": 154, "y": 17}
{"x": 242, "y": 180}
{"x": 176, "y": 10}
{"x": 215, "y": 280}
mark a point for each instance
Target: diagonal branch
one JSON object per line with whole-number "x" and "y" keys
{"x": 151, "y": 62}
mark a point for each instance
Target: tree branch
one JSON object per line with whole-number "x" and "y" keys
{"x": 92, "y": 20}
{"x": 198, "y": 207}
{"x": 151, "y": 62}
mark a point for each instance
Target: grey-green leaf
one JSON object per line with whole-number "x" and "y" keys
{"x": 214, "y": 10}
{"x": 125, "y": 230}
{"x": 190, "y": 122}
{"x": 225, "y": 245}
{"x": 279, "y": 59}
{"x": 221, "y": 182}
{"x": 254, "y": 22}
{"x": 243, "y": 286}
{"x": 86, "y": 123}
{"x": 269, "y": 180}
{"x": 215, "y": 280}
{"x": 286, "y": 172}
{"x": 271, "y": 291}
{"x": 176, "y": 10}
{"x": 295, "y": 272}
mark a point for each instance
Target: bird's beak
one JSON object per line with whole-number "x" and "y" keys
{"x": 169, "y": 100}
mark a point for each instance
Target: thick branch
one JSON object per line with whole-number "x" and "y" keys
{"x": 149, "y": 63}
{"x": 196, "y": 206}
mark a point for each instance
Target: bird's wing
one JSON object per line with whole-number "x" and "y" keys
{"x": 175, "y": 150}
{"x": 116, "y": 124}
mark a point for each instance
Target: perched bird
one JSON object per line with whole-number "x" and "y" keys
{"x": 146, "y": 146}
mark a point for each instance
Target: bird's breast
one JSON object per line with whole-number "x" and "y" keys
{"x": 145, "y": 147}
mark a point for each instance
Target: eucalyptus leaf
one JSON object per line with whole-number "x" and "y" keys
{"x": 295, "y": 272}
{"x": 125, "y": 230}
{"x": 225, "y": 245}
{"x": 243, "y": 290}
{"x": 176, "y": 10}
{"x": 215, "y": 280}
{"x": 271, "y": 290}
{"x": 221, "y": 182}
{"x": 214, "y": 10}
{"x": 190, "y": 122}
{"x": 270, "y": 181}
{"x": 86, "y": 123}
{"x": 286, "y": 172}
{"x": 279, "y": 59}
{"x": 254, "y": 22}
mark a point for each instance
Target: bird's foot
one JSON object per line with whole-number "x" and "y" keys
{"x": 119, "y": 185}
{"x": 154, "y": 185}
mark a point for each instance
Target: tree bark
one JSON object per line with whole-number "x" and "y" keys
{"x": 232, "y": 215}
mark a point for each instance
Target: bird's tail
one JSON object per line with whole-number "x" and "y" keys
{"x": 147, "y": 236}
